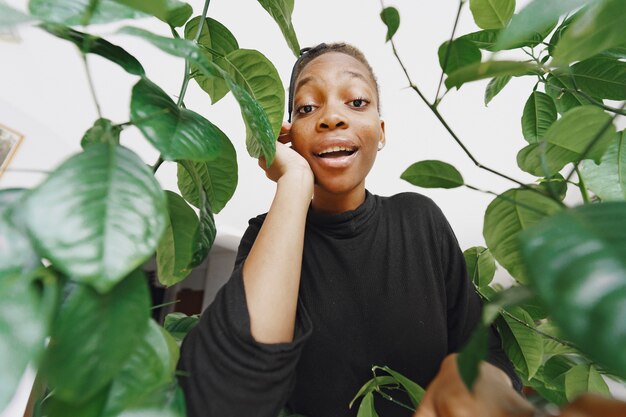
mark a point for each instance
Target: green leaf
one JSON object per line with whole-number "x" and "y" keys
{"x": 26, "y": 310}
{"x": 577, "y": 263}
{"x": 205, "y": 235}
{"x": 601, "y": 76}
{"x": 179, "y": 324}
{"x": 551, "y": 347}
{"x": 164, "y": 402}
{"x": 214, "y": 37}
{"x": 601, "y": 27}
{"x": 93, "y": 335}
{"x": 219, "y": 178}
{"x": 495, "y": 86}
{"x": 78, "y": 12}
{"x": 281, "y": 11}
{"x": 488, "y": 39}
{"x": 177, "y": 133}
{"x": 584, "y": 378}
{"x": 488, "y": 69}
{"x": 95, "y": 45}
{"x": 172, "y": 12}
{"x": 415, "y": 392}
{"x": 523, "y": 346}
{"x": 461, "y": 52}
{"x": 468, "y": 360}
{"x": 549, "y": 381}
{"x": 149, "y": 367}
{"x": 175, "y": 250}
{"x": 539, "y": 114}
{"x": 568, "y": 140}
{"x": 253, "y": 71}
{"x": 17, "y": 255}
{"x": 366, "y": 409}
{"x": 102, "y": 131}
{"x": 536, "y": 16}
{"x": 9, "y": 17}
{"x": 55, "y": 407}
{"x": 99, "y": 225}
{"x": 483, "y": 39}
{"x": 608, "y": 179}
{"x": 504, "y": 299}
{"x": 564, "y": 100}
{"x": 554, "y": 185}
{"x": 260, "y": 135}
{"x": 506, "y": 217}
{"x": 391, "y": 18}
{"x": 372, "y": 384}
{"x": 433, "y": 174}
{"x": 492, "y": 14}
{"x": 481, "y": 266}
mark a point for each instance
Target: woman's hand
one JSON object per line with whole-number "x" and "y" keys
{"x": 492, "y": 395}
{"x": 286, "y": 159}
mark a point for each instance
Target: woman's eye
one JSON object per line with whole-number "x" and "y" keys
{"x": 359, "y": 102}
{"x": 306, "y": 109}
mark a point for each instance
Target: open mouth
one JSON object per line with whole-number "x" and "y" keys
{"x": 337, "y": 152}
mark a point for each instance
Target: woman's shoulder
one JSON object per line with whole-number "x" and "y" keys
{"x": 411, "y": 201}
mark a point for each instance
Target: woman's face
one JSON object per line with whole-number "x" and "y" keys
{"x": 336, "y": 126}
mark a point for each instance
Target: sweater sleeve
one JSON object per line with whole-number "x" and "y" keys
{"x": 465, "y": 306}
{"x": 224, "y": 372}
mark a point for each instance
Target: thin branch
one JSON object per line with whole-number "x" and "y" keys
{"x": 587, "y": 97}
{"x": 448, "y": 49}
{"x": 157, "y": 164}
{"x": 27, "y": 170}
{"x": 593, "y": 142}
{"x": 91, "y": 87}
{"x": 582, "y": 187}
{"x": 508, "y": 200}
{"x": 534, "y": 329}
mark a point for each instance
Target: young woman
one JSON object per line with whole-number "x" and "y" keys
{"x": 333, "y": 279}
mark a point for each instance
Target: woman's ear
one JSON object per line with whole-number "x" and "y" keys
{"x": 383, "y": 139}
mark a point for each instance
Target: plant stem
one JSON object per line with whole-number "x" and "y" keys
{"x": 433, "y": 108}
{"x": 534, "y": 329}
{"x": 164, "y": 304}
{"x": 587, "y": 97}
{"x": 582, "y": 187}
{"x": 91, "y": 87}
{"x": 448, "y": 49}
{"x": 390, "y": 398}
{"x": 507, "y": 199}
{"x": 595, "y": 140}
{"x": 28, "y": 170}
{"x": 156, "y": 165}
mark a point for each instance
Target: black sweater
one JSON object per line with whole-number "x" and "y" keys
{"x": 385, "y": 284}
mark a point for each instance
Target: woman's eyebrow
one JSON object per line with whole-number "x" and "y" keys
{"x": 352, "y": 74}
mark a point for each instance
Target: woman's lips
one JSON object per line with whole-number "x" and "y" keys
{"x": 336, "y": 160}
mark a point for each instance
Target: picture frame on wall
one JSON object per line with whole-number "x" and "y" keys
{"x": 10, "y": 140}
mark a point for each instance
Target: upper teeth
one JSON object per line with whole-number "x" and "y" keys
{"x": 335, "y": 149}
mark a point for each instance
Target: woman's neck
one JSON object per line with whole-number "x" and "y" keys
{"x": 325, "y": 202}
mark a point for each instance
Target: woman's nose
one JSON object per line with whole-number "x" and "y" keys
{"x": 331, "y": 118}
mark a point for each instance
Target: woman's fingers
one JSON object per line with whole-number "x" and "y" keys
{"x": 285, "y": 133}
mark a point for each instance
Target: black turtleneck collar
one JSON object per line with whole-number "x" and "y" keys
{"x": 346, "y": 224}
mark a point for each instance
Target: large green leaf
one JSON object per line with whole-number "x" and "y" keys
{"x": 539, "y": 114}
{"x": 9, "y": 17}
{"x": 391, "y": 18}
{"x": 17, "y": 255}
{"x": 98, "y": 216}
{"x": 535, "y": 17}
{"x": 219, "y": 178}
{"x": 96, "y": 45}
{"x": 149, "y": 367}
{"x": 601, "y": 27}
{"x": 601, "y": 76}
{"x": 433, "y": 174}
{"x": 366, "y": 409}
{"x": 506, "y": 217}
{"x": 78, "y": 12}
{"x": 253, "y": 71}
{"x": 372, "y": 384}
{"x": 281, "y": 11}
{"x": 214, "y": 37}
{"x": 481, "y": 266}
{"x": 565, "y": 100}
{"x": 584, "y": 378}
{"x": 205, "y": 234}
{"x": 577, "y": 263}
{"x": 414, "y": 391}
{"x": 179, "y": 324}
{"x": 260, "y": 138}
{"x": 175, "y": 249}
{"x": 608, "y": 179}
{"x": 492, "y": 14}
{"x": 488, "y": 39}
{"x": 488, "y": 69}
{"x": 93, "y": 335}
{"x": 102, "y": 131}
{"x": 523, "y": 346}
{"x": 177, "y": 133}
{"x": 56, "y": 407}
{"x": 172, "y": 12}
{"x": 552, "y": 347}
{"x": 549, "y": 381}
{"x": 460, "y": 52}
{"x": 572, "y": 138}
{"x": 495, "y": 86}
